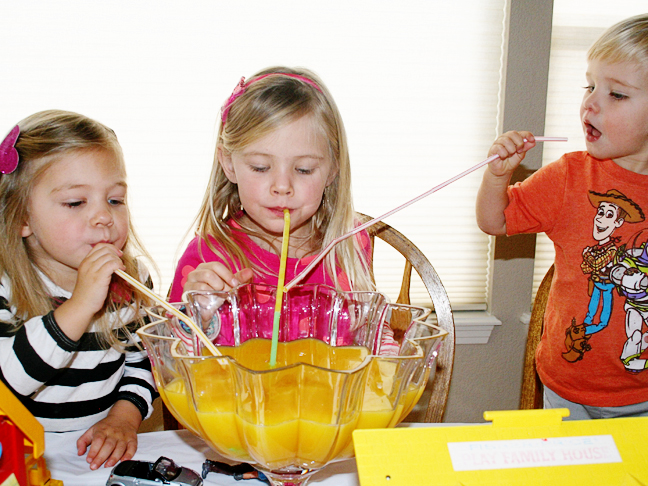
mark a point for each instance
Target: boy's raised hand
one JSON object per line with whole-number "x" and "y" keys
{"x": 511, "y": 148}
{"x": 492, "y": 197}
{"x": 216, "y": 276}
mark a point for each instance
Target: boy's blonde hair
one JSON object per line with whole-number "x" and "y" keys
{"x": 267, "y": 104}
{"x": 45, "y": 138}
{"x": 624, "y": 41}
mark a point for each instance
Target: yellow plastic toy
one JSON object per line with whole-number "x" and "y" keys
{"x": 530, "y": 447}
{"x": 14, "y": 415}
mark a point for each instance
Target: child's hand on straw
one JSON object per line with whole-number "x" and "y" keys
{"x": 93, "y": 281}
{"x": 216, "y": 276}
{"x": 511, "y": 147}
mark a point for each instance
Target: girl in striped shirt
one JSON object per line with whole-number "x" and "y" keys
{"x": 68, "y": 349}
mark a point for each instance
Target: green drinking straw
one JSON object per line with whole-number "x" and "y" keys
{"x": 280, "y": 288}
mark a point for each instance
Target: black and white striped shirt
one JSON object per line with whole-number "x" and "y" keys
{"x": 65, "y": 384}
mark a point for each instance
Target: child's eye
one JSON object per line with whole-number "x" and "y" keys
{"x": 589, "y": 88}
{"x": 258, "y": 168}
{"x": 73, "y": 204}
{"x": 618, "y": 96}
{"x": 305, "y": 171}
{"x": 116, "y": 202}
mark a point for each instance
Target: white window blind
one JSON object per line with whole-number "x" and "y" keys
{"x": 575, "y": 28}
{"x": 416, "y": 82}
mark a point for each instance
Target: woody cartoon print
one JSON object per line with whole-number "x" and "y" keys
{"x": 612, "y": 265}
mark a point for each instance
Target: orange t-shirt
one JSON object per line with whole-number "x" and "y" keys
{"x": 587, "y": 354}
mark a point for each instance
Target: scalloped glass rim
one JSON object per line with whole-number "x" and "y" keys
{"x": 182, "y": 354}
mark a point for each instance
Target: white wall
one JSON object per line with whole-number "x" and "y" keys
{"x": 157, "y": 72}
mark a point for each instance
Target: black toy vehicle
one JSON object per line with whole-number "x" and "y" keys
{"x": 238, "y": 471}
{"x": 163, "y": 472}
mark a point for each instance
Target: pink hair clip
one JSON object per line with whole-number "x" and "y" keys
{"x": 8, "y": 154}
{"x": 242, "y": 86}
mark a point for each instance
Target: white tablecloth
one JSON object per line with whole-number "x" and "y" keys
{"x": 181, "y": 446}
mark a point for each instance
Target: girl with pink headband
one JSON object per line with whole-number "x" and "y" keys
{"x": 281, "y": 145}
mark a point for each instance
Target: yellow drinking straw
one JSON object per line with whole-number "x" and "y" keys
{"x": 280, "y": 288}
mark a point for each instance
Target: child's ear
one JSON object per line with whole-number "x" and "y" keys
{"x": 332, "y": 176}
{"x": 26, "y": 231}
{"x": 225, "y": 160}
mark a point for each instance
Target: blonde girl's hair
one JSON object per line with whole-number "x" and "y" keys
{"x": 45, "y": 138}
{"x": 624, "y": 41}
{"x": 273, "y": 98}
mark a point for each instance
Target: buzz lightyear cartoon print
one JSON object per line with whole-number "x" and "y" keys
{"x": 613, "y": 209}
{"x": 630, "y": 275}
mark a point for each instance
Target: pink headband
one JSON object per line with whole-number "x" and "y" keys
{"x": 242, "y": 86}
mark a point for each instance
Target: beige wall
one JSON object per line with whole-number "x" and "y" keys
{"x": 488, "y": 376}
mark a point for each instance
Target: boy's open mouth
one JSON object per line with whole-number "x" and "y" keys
{"x": 592, "y": 133}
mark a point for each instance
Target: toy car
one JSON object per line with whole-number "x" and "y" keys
{"x": 163, "y": 472}
{"x": 238, "y": 471}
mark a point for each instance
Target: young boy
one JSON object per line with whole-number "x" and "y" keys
{"x": 592, "y": 205}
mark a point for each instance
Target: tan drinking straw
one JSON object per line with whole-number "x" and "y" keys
{"x": 180, "y": 315}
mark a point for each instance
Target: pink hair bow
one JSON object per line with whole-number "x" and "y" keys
{"x": 8, "y": 154}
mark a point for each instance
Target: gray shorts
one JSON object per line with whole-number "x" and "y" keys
{"x": 586, "y": 412}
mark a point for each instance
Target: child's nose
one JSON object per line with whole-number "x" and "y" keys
{"x": 591, "y": 102}
{"x": 102, "y": 216}
{"x": 282, "y": 185}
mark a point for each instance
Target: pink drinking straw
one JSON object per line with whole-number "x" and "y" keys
{"x": 363, "y": 226}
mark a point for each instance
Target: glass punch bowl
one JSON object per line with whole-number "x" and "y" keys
{"x": 337, "y": 369}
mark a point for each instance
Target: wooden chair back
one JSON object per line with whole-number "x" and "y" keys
{"x": 532, "y": 389}
{"x": 431, "y": 406}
